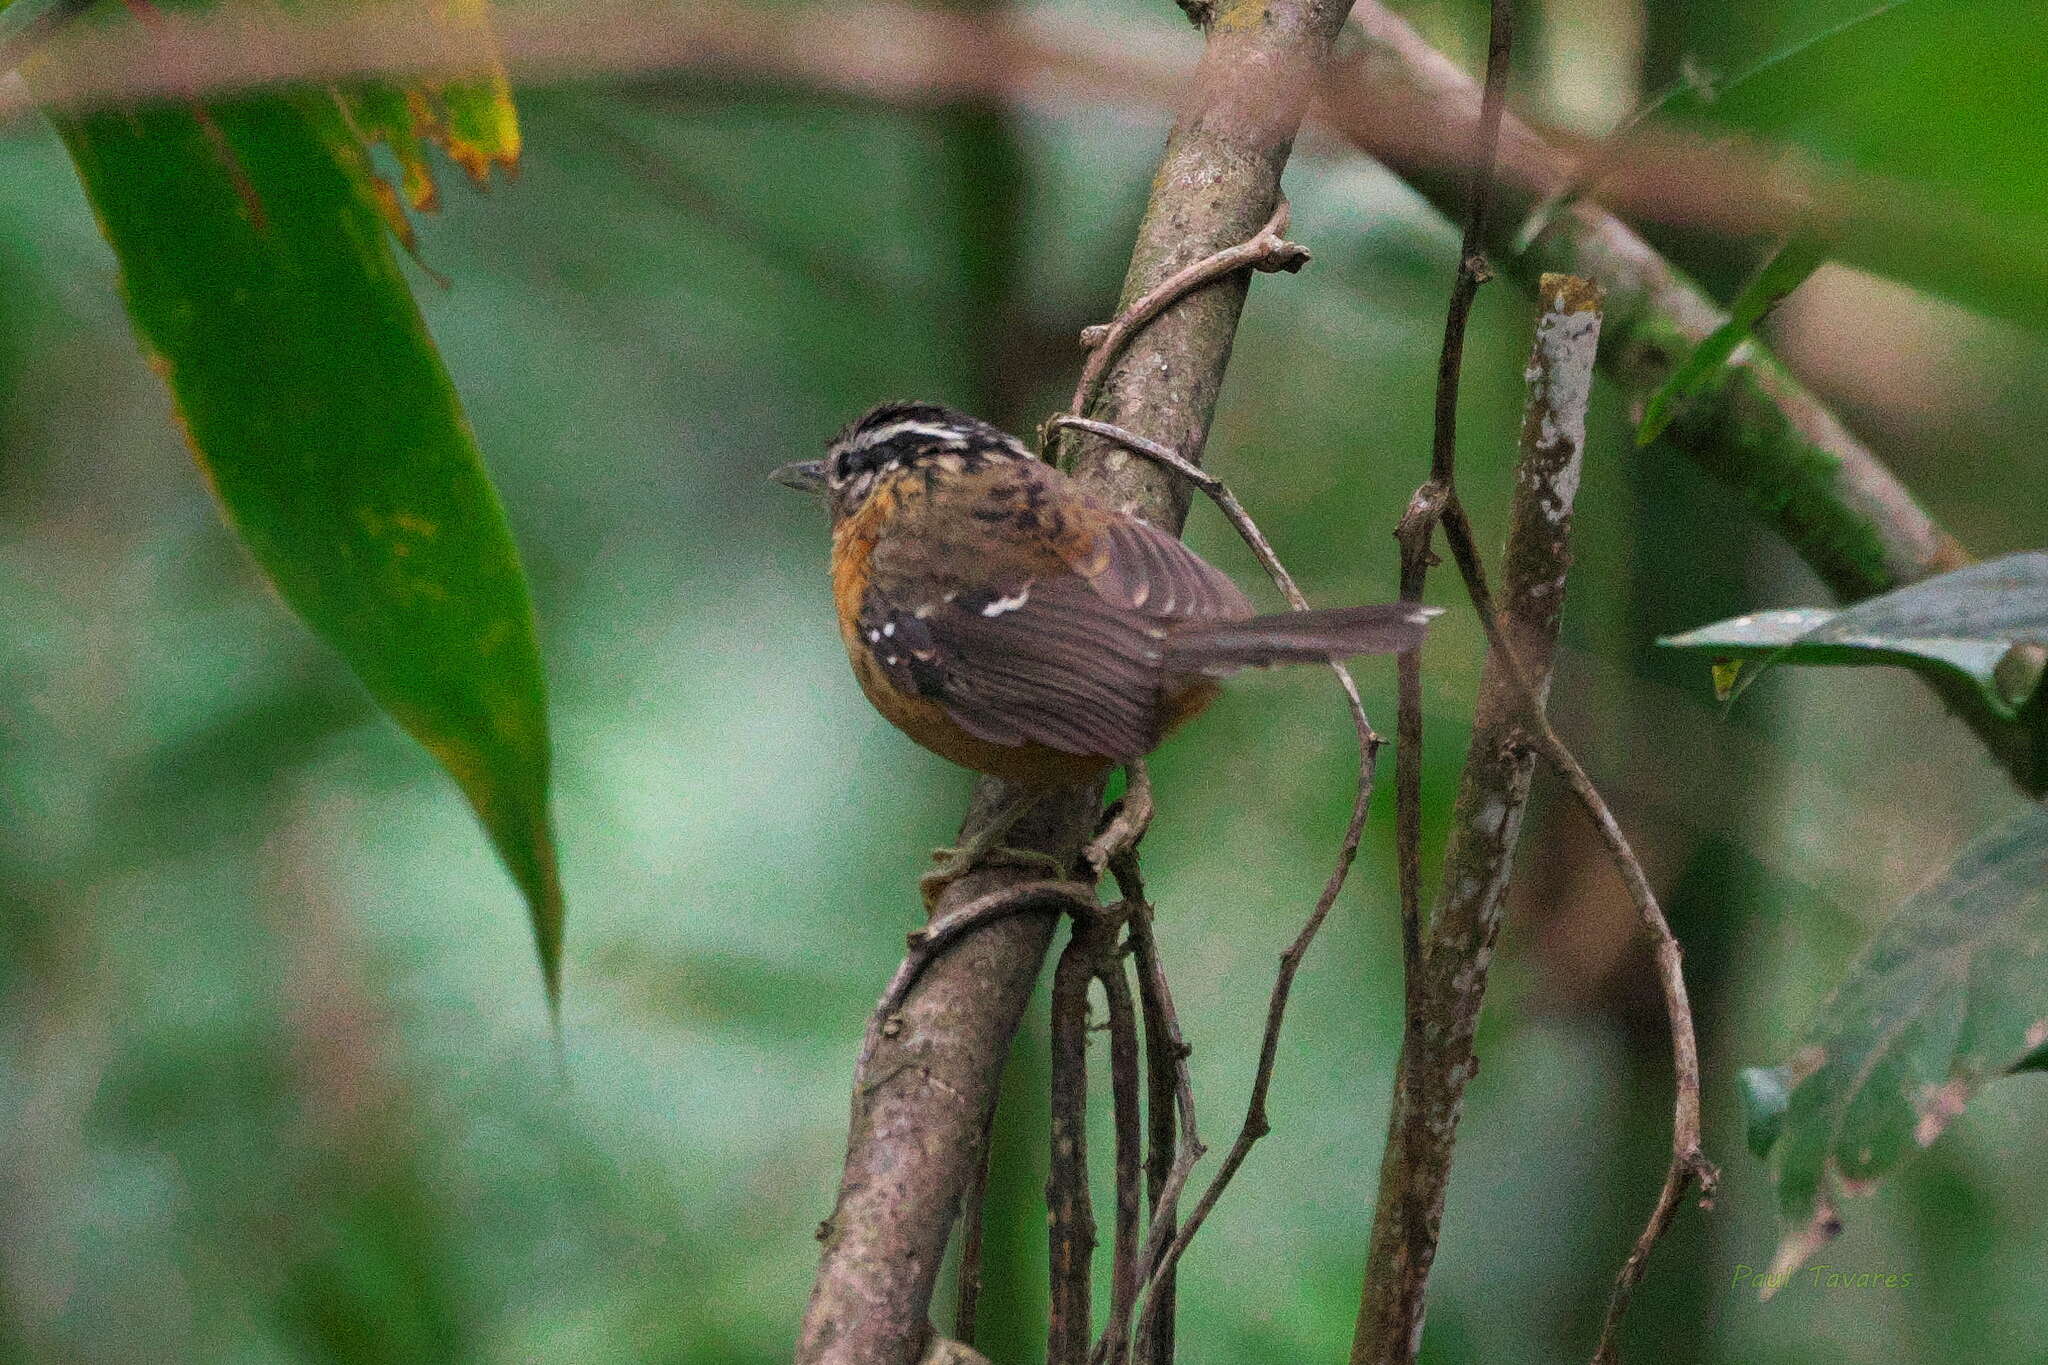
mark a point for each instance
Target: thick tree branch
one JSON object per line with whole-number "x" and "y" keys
{"x": 923, "y": 1097}
{"x": 923, "y": 1093}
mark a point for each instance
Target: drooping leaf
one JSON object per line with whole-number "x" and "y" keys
{"x": 1962, "y": 623}
{"x": 260, "y": 281}
{"x": 1787, "y": 269}
{"x": 1939, "y": 105}
{"x": 1952, "y": 993}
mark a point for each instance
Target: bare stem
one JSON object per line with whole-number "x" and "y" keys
{"x": 1267, "y": 249}
{"x": 1171, "y": 1098}
{"x": 1167, "y": 1242}
{"x": 1070, "y": 1219}
{"x": 1410, "y": 1206}
{"x": 1168, "y": 1096}
{"x": 1124, "y": 1087}
{"x": 1438, "y": 1057}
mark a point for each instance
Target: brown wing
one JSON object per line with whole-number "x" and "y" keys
{"x": 1046, "y": 661}
{"x": 1136, "y": 565}
{"x": 1039, "y": 616}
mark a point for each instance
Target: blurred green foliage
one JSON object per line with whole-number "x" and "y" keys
{"x": 274, "y": 1081}
{"x": 1932, "y": 109}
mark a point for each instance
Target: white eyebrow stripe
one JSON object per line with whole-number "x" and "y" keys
{"x": 883, "y": 435}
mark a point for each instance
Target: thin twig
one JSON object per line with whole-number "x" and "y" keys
{"x": 1266, "y": 250}
{"x": 926, "y": 945}
{"x": 1241, "y": 521}
{"x": 1160, "y": 1262}
{"x": 1070, "y": 1219}
{"x": 1472, "y": 267}
{"x": 1215, "y": 488}
{"x": 1129, "y": 1140}
{"x": 1163, "y": 1068}
{"x": 973, "y": 1201}
{"x": 1127, "y": 822}
{"x": 1171, "y": 1097}
{"x": 1426, "y": 507}
{"x": 1689, "y": 1164}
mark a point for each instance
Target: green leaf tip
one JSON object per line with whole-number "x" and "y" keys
{"x": 246, "y": 236}
{"x": 1962, "y": 623}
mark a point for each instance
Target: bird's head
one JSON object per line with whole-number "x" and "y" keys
{"x": 891, "y": 437}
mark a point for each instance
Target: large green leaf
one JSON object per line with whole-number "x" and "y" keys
{"x": 1963, "y": 622}
{"x": 1931, "y": 112}
{"x": 1952, "y": 993}
{"x": 261, "y": 282}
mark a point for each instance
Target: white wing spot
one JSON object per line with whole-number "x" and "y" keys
{"x": 874, "y": 636}
{"x": 1003, "y": 604}
{"x": 888, "y": 628}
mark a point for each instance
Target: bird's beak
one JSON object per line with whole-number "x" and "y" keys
{"x": 805, "y": 476}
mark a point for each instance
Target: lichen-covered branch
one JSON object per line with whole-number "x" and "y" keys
{"x": 1437, "y": 1058}
{"x": 923, "y": 1097}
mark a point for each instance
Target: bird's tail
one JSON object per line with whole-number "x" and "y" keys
{"x": 1215, "y": 648}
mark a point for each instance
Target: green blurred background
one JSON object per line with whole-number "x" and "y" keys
{"x": 275, "y": 1076}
